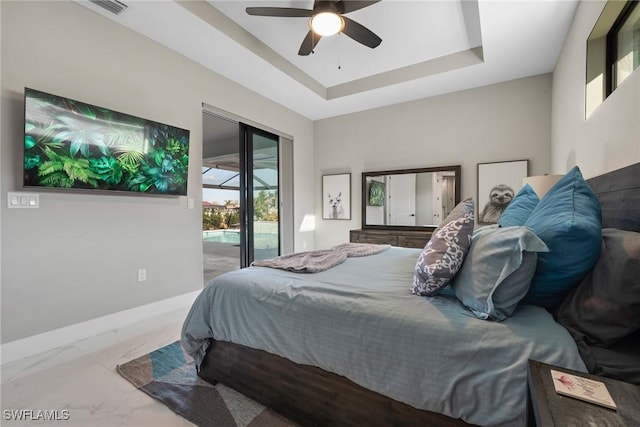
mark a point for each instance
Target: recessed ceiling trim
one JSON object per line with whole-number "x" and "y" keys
{"x": 442, "y": 64}
{"x": 513, "y": 46}
{"x": 212, "y": 16}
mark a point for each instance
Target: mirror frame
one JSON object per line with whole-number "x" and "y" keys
{"x": 456, "y": 168}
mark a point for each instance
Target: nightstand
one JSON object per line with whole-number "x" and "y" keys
{"x": 546, "y": 408}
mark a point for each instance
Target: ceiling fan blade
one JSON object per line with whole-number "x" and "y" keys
{"x": 351, "y": 5}
{"x": 309, "y": 43}
{"x": 286, "y": 12}
{"x": 360, "y": 33}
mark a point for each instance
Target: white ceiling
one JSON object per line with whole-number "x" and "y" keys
{"x": 428, "y": 47}
{"x": 412, "y": 32}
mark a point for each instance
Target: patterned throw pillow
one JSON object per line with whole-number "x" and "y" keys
{"x": 443, "y": 255}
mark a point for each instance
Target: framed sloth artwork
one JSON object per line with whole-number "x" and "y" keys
{"x": 498, "y": 183}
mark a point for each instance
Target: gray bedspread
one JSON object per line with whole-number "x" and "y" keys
{"x": 360, "y": 320}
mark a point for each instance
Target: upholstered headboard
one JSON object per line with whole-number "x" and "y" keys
{"x": 619, "y": 194}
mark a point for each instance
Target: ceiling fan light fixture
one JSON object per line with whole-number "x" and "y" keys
{"x": 326, "y": 23}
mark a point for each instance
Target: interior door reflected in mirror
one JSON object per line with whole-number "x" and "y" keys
{"x": 409, "y": 198}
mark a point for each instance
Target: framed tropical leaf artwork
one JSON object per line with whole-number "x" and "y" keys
{"x": 73, "y": 145}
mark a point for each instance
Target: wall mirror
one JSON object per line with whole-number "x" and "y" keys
{"x": 415, "y": 199}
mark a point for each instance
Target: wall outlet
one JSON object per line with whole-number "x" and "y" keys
{"x": 142, "y": 275}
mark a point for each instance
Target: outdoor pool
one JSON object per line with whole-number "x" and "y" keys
{"x": 222, "y": 236}
{"x": 261, "y": 240}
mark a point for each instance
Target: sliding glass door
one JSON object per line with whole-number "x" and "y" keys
{"x": 247, "y": 195}
{"x": 260, "y": 212}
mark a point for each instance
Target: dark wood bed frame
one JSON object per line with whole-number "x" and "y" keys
{"x": 314, "y": 397}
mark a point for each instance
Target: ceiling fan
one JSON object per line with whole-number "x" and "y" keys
{"x": 325, "y": 19}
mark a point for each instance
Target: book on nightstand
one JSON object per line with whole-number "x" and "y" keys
{"x": 582, "y": 388}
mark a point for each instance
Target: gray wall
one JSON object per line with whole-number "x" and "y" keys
{"x": 76, "y": 257}
{"x": 610, "y": 138}
{"x": 506, "y": 121}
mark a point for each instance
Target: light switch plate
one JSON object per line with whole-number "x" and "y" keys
{"x": 23, "y": 200}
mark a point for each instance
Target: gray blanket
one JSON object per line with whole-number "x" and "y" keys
{"x": 320, "y": 260}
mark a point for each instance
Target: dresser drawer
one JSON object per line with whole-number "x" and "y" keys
{"x": 418, "y": 241}
{"x": 377, "y": 238}
{"x": 407, "y": 239}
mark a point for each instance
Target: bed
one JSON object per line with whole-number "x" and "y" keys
{"x": 352, "y": 345}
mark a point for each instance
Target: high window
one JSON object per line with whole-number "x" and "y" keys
{"x": 624, "y": 44}
{"x": 613, "y": 51}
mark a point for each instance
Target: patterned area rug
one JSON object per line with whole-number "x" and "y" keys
{"x": 169, "y": 375}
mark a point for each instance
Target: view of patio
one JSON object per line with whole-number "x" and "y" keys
{"x": 219, "y": 258}
{"x": 221, "y": 248}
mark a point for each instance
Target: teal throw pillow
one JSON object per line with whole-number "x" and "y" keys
{"x": 520, "y": 208}
{"x": 569, "y": 220}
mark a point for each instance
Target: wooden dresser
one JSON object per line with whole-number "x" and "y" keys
{"x": 404, "y": 238}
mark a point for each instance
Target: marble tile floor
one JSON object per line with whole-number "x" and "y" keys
{"x": 81, "y": 378}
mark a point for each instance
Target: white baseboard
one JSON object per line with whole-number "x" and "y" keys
{"x": 39, "y": 343}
